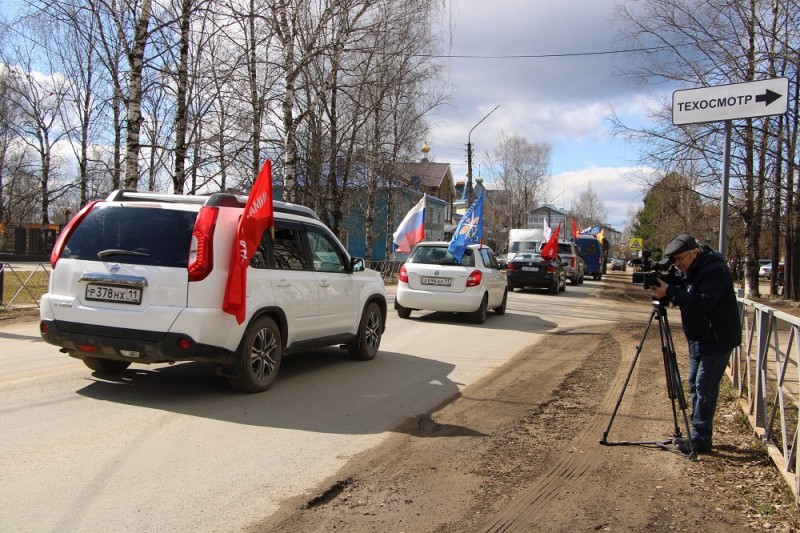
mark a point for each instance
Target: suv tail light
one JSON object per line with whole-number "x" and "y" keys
{"x": 65, "y": 234}
{"x": 474, "y": 278}
{"x": 402, "y": 275}
{"x": 572, "y": 262}
{"x": 201, "y": 252}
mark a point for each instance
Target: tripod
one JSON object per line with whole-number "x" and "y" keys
{"x": 674, "y": 387}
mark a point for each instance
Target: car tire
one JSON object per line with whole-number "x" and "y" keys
{"x": 479, "y": 316}
{"x": 261, "y": 354}
{"x": 402, "y": 312}
{"x": 511, "y": 287}
{"x": 501, "y": 310}
{"x": 105, "y": 366}
{"x": 555, "y": 288}
{"x": 576, "y": 280}
{"x": 564, "y": 285}
{"x": 366, "y": 344}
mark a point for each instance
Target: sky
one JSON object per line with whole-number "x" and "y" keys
{"x": 562, "y": 101}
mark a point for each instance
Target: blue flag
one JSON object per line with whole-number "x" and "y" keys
{"x": 469, "y": 230}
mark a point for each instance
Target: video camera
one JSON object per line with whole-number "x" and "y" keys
{"x": 649, "y": 271}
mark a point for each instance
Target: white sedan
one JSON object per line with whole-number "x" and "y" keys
{"x": 431, "y": 280}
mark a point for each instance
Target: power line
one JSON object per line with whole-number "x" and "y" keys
{"x": 544, "y": 56}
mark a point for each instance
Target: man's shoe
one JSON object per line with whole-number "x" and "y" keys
{"x": 683, "y": 446}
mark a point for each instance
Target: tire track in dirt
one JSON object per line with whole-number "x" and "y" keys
{"x": 570, "y": 467}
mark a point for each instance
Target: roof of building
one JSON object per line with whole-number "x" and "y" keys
{"x": 430, "y": 174}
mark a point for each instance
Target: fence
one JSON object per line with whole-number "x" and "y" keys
{"x": 764, "y": 371}
{"x": 22, "y": 286}
{"x": 388, "y": 269}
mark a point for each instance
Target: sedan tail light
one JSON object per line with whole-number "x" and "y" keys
{"x": 402, "y": 276}
{"x": 474, "y": 278}
{"x": 551, "y": 269}
{"x": 511, "y": 266}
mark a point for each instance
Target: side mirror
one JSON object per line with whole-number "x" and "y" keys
{"x": 357, "y": 264}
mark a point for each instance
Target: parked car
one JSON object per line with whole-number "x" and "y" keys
{"x": 140, "y": 278}
{"x": 530, "y": 269}
{"x": 571, "y": 260}
{"x": 765, "y": 268}
{"x": 618, "y": 264}
{"x": 432, "y": 280}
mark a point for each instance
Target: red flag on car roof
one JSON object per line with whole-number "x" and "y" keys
{"x": 574, "y": 229}
{"x": 257, "y": 217}
{"x": 550, "y": 250}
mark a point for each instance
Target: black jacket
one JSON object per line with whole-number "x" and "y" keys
{"x": 709, "y": 310}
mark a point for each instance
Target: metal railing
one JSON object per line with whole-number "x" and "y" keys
{"x": 388, "y": 269}
{"x": 18, "y": 273}
{"x": 764, "y": 371}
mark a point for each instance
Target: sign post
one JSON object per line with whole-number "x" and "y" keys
{"x": 728, "y": 102}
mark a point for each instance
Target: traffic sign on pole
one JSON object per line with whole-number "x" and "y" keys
{"x": 728, "y": 102}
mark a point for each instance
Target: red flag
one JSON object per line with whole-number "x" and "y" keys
{"x": 257, "y": 217}
{"x": 574, "y": 229}
{"x": 550, "y": 250}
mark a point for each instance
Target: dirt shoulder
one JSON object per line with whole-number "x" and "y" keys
{"x": 520, "y": 451}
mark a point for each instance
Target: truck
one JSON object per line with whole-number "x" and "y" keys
{"x": 520, "y": 240}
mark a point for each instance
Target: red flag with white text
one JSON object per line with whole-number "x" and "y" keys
{"x": 256, "y": 218}
{"x": 550, "y": 250}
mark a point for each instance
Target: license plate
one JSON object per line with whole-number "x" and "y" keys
{"x": 531, "y": 269}
{"x": 108, "y": 293}
{"x": 442, "y": 282}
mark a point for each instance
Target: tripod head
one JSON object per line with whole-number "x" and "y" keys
{"x": 660, "y": 303}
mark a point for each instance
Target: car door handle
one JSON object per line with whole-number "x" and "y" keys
{"x": 283, "y": 284}
{"x": 323, "y": 283}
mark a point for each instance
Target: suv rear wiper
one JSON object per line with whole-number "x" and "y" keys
{"x": 118, "y": 251}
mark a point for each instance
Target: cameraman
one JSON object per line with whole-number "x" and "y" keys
{"x": 711, "y": 323}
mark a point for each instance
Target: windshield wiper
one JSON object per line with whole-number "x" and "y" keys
{"x": 119, "y": 251}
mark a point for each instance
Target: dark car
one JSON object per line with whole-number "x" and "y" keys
{"x": 574, "y": 265}
{"x": 529, "y": 269}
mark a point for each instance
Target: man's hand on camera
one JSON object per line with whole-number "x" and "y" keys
{"x": 659, "y": 289}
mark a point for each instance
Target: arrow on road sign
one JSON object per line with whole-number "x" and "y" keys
{"x": 768, "y": 97}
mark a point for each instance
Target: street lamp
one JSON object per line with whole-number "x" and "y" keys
{"x": 469, "y": 157}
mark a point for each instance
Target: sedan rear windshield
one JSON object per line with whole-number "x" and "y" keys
{"x": 134, "y": 235}
{"x": 434, "y": 255}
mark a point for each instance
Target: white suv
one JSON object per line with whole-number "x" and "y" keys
{"x": 140, "y": 278}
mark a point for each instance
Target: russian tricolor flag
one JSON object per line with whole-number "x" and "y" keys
{"x": 411, "y": 229}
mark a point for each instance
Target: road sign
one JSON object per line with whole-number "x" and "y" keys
{"x": 727, "y": 102}
{"x": 635, "y": 244}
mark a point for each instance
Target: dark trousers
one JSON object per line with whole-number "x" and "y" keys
{"x": 706, "y": 368}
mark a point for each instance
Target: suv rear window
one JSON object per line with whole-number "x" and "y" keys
{"x": 134, "y": 235}
{"x": 565, "y": 248}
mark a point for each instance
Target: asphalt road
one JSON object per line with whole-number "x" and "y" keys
{"x": 172, "y": 448}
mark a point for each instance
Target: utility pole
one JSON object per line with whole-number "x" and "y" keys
{"x": 469, "y": 157}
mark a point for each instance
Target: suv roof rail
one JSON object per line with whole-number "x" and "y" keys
{"x": 221, "y": 199}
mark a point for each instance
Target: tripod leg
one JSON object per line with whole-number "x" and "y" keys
{"x": 604, "y": 440}
{"x": 674, "y": 383}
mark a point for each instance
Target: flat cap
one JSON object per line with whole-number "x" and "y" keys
{"x": 680, "y": 244}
